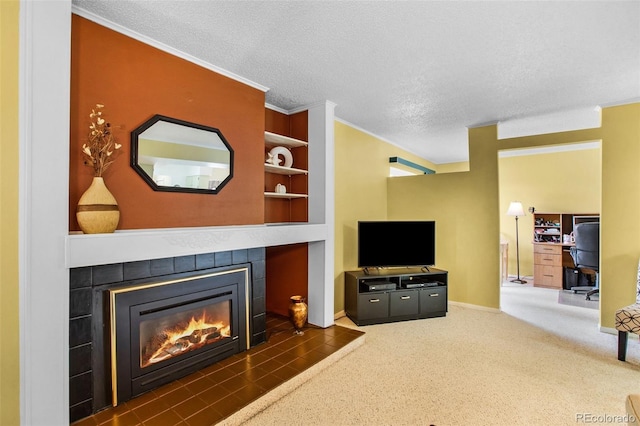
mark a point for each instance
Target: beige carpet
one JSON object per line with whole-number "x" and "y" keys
{"x": 536, "y": 363}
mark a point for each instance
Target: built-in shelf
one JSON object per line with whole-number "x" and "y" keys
{"x": 285, "y": 195}
{"x": 274, "y": 139}
{"x": 284, "y": 170}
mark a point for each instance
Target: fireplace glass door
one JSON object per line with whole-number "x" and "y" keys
{"x": 163, "y": 332}
{"x": 170, "y": 333}
{"x": 165, "y": 336}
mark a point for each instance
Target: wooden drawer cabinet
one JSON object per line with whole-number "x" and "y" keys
{"x": 547, "y": 276}
{"x": 547, "y": 259}
{"x": 547, "y": 265}
{"x": 548, "y": 248}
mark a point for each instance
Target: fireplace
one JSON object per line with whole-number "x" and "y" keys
{"x": 182, "y": 287}
{"x": 164, "y": 330}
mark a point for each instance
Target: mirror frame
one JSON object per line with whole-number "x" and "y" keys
{"x": 149, "y": 180}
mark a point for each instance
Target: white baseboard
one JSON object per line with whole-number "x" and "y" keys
{"x": 339, "y": 314}
{"x": 477, "y": 307}
{"x": 608, "y": 330}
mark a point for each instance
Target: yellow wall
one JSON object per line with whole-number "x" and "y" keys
{"x": 9, "y": 330}
{"x": 462, "y": 166}
{"x": 620, "y": 221}
{"x": 560, "y": 182}
{"x": 361, "y": 171}
{"x": 467, "y": 210}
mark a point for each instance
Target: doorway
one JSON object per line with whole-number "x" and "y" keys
{"x": 550, "y": 179}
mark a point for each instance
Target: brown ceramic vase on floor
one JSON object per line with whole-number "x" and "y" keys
{"x": 298, "y": 313}
{"x": 97, "y": 211}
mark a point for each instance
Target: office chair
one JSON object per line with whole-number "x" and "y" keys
{"x": 586, "y": 253}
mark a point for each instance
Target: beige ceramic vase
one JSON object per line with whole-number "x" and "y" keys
{"x": 298, "y": 313}
{"x": 97, "y": 211}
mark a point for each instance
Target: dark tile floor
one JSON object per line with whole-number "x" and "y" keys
{"x": 216, "y": 392}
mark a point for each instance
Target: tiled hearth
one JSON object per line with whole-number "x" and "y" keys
{"x": 233, "y": 388}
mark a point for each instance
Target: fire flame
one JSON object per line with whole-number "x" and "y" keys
{"x": 198, "y": 333}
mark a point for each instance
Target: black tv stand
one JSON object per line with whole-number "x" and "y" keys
{"x": 413, "y": 294}
{"x": 367, "y": 271}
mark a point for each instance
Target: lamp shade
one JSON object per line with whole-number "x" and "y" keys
{"x": 515, "y": 209}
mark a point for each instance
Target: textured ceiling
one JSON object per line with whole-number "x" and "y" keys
{"x": 415, "y": 73}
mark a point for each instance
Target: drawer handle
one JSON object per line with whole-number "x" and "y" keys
{"x": 374, "y": 300}
{"x": 434, "y": 295}
{"x": 547, "y": 259}
{"x": 405, "y": 297}
{"x": 548, "y": 275}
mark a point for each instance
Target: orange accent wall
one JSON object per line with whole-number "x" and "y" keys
{"x": 286, "y": 276}
{"x": 277, "y": 122}
{"x": 135, "y": 81}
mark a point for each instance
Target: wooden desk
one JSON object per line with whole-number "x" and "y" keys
{"x": 549, "y": 259}
{"x": 550, "y": 255}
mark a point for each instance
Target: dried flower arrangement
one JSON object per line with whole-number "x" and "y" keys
{"x": 101, "y": 147}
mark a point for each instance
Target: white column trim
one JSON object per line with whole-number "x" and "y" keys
{"x": 321, "y": 210}
{"x": 45, "y": 51}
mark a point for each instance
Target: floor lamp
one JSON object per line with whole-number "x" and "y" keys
{"x": 515, "y": 209}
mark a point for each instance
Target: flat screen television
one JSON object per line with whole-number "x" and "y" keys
{"x": 396, "y": 243}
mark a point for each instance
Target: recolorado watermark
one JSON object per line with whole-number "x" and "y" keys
{"x": 591, "y": 418}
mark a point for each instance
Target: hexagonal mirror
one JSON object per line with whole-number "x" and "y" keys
{"x": 175, "y": 155}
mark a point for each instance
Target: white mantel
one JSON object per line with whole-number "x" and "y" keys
{"x": 129, "y": 246}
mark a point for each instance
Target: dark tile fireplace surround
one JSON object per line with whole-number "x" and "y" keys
{"x": 89, "y": 370}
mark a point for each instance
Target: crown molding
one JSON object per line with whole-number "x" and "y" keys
{"x": 310, "y": 106}
{"x": 619, "y": 103}
{"x": 360, "y": 129}
{"x": 300, "y": 108}
{"x": 485, "y": 124}
{"x": 164, "y": 47}
{"x": 276, "y": 109}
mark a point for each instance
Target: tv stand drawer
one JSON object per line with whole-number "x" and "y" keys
{"x": 433, "y": 300}
{"x": 373, "y": 305}
{"x": 403, "y": 303}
